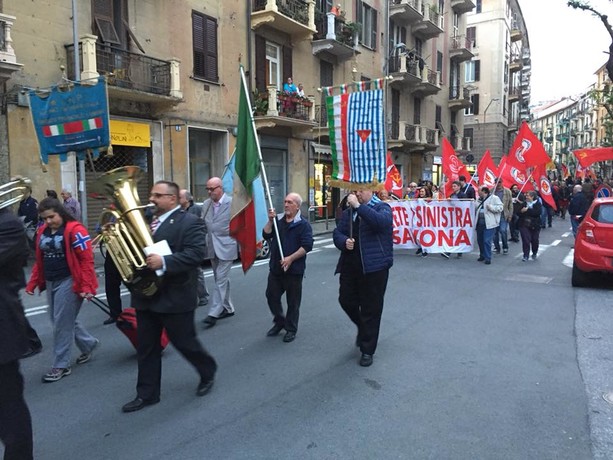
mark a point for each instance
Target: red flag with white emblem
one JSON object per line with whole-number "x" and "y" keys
{"x": 527, "y": 150}
{"x": 453, "y": 167}
{"x": 542, "y": 182}
{"x": 510, "y": 176}
{"x": 487, "y": 170}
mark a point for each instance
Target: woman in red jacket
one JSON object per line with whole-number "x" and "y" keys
{"x": 65, "y": 268}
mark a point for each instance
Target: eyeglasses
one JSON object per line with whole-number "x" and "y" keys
{"x": 210, "y": 189}
{"x": 159, "y": 195}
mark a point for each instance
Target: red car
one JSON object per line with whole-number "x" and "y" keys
{"x": 594, "y": 242}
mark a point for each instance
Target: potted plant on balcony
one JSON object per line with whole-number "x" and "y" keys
{"x": 348, "y": 31}
{"x": 260, "y": 103}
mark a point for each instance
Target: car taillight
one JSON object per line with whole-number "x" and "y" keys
{"x": 588, "y": 232}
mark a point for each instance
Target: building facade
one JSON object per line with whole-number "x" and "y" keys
{"x": 499, "y": 76}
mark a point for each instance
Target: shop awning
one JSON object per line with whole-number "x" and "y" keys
{"x": 322, "y": 149}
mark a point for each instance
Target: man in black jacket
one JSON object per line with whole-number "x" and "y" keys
{"x": 577, "y": 208}
{"x": 15, "y": 420}
{"x": 172, "y": 307}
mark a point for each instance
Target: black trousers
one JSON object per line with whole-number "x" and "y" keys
{"x": 182, "y": 334}
{"x": 529, "y": 240}
{"x": 15, "y": 420}
{"x": 361, "y": 297}
{"x": 112, "y": 286}
{"x": 291, "y": 285}
{"x": 33, "y": 338}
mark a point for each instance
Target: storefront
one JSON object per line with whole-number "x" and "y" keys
{"x": 323, "y": 199}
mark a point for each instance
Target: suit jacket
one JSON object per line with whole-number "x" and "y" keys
{"x": 13, "y": 256}
{"x": 219, "y": 243}
{"x": 178, "y": 290}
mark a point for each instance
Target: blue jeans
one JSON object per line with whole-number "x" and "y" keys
{"x": 501, "y": 231}
{"x": 484, "y": 239}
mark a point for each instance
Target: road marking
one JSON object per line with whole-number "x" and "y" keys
{"x": 542, "y": 249}
{"x": 330, "y": 246}
{"x": 36, "y": 313}
{"x": 327, "y": 240}
{"x": 568, "y": 260}
{"x": 530, "y": 278}
{"x": 567, "y": 234}
{"x": 556, "y": 242}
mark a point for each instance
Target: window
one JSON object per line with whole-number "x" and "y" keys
{"x": 419, "y": 45}
{"x": 273, "y": 65}
{"x": 416, "y": 111}
{"x": 479, "y": 6}
{"x": 110, "y": 19}
{"x": 471, "y": 35}
{"x": 367, "y": 16}
{"x": 439, "y": 62}
{"x": 474, "y": 108}
{"x": 204, "y": 33}
{"x": 472, "y": 71}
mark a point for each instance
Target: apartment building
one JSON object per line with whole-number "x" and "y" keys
{"x": 499, "y": 76}
{"x": 603, "y": 84}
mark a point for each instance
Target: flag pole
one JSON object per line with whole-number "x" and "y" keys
{"x": 262, "y": 168}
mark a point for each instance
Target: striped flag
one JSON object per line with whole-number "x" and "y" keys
{"x": 72, "y": 127}
{"x": 357, "y": 137}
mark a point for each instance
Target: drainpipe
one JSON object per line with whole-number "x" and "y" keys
{"x": 249, "y": 35}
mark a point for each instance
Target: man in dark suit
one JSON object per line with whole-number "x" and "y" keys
{"x": 172, "y": 307}
{"x": 15, "y": 420}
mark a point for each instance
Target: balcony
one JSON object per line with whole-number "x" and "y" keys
{"x": 462, "y": 144}
{"x": 130, "y": 76}
{"x": 277, "y": 109}
{"x": 516, "y": 64}
{"x": 295, "y": 18}
{"x": 335, "y": 37}
{"x": 461, "y": 49}
{"x": 406, "y": 11}
{"x": 462, "y": 6}
{"x": 406, "y": 70}
{"x": 431, "y": 24}
{"x": 430, "y": 84}
{"x": 459, "y": 98}
{"x": 8, "y": 59}
{"x": 516, "y": 33}
{"x": 416, "y": 137}
{"x": 514, "y": 94}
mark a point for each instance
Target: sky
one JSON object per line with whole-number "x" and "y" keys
{"x": 567, "y": 46}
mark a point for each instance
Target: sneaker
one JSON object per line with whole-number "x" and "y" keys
{"x": 505, "y": 251}
{"x": 496, "y": 251}
{"x": 84, "y": 357}
{"x": 56, "y": 374}
{"x": 424, "y": 254}
{"x": 533, "y": 256}
{"x": 445, "y": 255}
{"x": 524, "y": 259}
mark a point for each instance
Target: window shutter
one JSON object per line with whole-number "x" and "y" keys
{"x": 287, "y": 64}
{"x": 359, "y": 18}
{"x": 477, "y": 70}
{"x": 198, "y": 44}
{"x": 475, "y": 104}
{"x": 210, "y": 49}
{"x": 471, "y": 34}
{"x": 374, "y": 29}
{"x": 102, "y": 9}
{"x": 260, "y": 63}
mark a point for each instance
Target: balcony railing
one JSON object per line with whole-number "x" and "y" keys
{"x": 7, "y": 53}
{"x": 297, "y": 10}
{"x": 461, "y": 42}
{"x": 342, "y": 31}
{"x": 434, "y": 77}
{"x": 281, "y": 104}
{"x": 321, "y": 115}
{"x": 125, "y": 69}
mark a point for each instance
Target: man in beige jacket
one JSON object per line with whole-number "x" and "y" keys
{"x": 506, "y": 197}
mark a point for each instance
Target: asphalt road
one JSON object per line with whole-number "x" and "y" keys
{"x": 505, "y": 361}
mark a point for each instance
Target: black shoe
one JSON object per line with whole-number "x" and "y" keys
{"x": 210, "y": 321}
{"x": 203, "y": 302}
{"x": 274, "y": 331}
{"x": 365, "y": 360}
{"x": 480, "y": 259}
{"x": 204, "y": 387}
{"x": 225, "y": 314}
{"x": 32, "y": 351}
{"x": 488, "y": 262}
{"x": 110, "y": 320}
{"x": 289, "y": 337}
{"x": 138, "y": 404}
{"x": 418, "y": 251}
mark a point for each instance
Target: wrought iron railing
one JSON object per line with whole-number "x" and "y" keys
{"x": 393, "y": 130}
{"x": 457, "y": 92}
{"x": 127, "y": 70}
{"x": 411, "y": 133}
{"x": 343, "y": 30}
{"x": 298, "y": 10}
{"x": 461, "y": 42}
{"x": 412, "y": 65}
{"x": 431, "y": 136}
{"x": 433, "y": 77}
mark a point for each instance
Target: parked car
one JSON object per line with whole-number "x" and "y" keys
{"x": 594, "y": 243}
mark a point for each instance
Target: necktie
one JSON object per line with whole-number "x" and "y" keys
{"x": 154, "y": 224}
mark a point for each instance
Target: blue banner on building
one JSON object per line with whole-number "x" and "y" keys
{"x": 71, "y": 118}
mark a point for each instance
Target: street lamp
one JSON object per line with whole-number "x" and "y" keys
{"x": 485, "y": 119}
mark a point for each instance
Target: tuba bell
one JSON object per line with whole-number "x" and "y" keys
{"x": 124, "y": 230}
{"x": 12, "y": 192}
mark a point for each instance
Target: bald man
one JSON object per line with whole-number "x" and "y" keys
{"x": 221, "y": 249}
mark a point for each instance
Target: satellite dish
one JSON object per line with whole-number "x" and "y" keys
{"x": 470, "y": 158}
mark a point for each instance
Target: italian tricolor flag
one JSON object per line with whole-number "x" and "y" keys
{"x": 247, "y": 169}
{"x": 72, "y": 127}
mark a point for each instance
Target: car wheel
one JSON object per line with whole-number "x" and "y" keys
{"x": 579, "y": 278}
{"x": 264, "y": 251}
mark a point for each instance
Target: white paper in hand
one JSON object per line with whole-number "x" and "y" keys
{"x": 160, "y": 248}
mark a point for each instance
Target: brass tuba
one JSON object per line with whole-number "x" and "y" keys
{"x": 124, "y": 229}
{"x": 12, "y": 192}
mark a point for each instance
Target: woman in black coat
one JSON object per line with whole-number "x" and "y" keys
{"x": 530, "y": 224}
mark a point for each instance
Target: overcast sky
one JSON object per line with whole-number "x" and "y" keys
{"x": 567, "y": 46}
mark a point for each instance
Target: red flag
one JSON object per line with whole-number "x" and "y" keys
{"x": 542, "y": 181}
{"x": 487, "y": 170}
{"x": 527, "y": 150}
{"x": 511, "y": 175}
{"x": 588, "y": 156}
{"x": 393, "y": 181}
{"x": 564, "y": 171}
{"x": 453, "y": 167}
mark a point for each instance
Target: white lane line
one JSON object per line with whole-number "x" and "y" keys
{"x": 568, "y": 260}
{"x": 567, "y": 234}
{"x": 556, "y": 242}
{"x": 42, "y": 307}
{"x": 330, "y": 246}
{"x": 36, "y": 313}
{"x": 327, "y": 240}
{"x": 542, "y": 249}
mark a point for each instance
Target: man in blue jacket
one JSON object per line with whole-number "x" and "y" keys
{"x": 286, "y": 272}
{"x": 364, "y": 237}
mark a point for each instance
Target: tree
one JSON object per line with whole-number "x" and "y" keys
{"x": 603, "y": 96}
